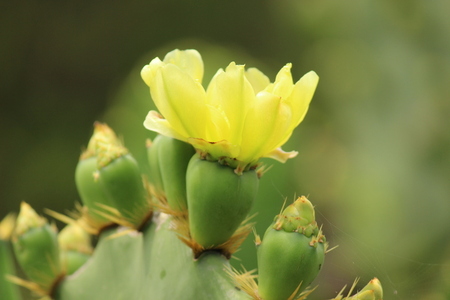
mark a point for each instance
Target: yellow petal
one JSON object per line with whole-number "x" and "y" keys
{"x": 258, "y": 125}
{"x": 231, "y": 91}
{"x": 181, "y": 100}
{"x": 265, "y": 124}
{"x": 301, "y": 96}
{"x": 155, "y": 122}
{"x": 299, "y": 100}
{"x": 257, "y": 79}
{"x": 283, "y": 83}
{"x": 280, "y": 155}
{"x": 219, "y": 127}
{"x": 284, "y": 138}
{"x": 281, "y": 126}
{"x": 190, "y": 61}
{"x": 148, "y": 71}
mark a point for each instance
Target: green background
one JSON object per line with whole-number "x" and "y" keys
{"x": 374, "y": 149}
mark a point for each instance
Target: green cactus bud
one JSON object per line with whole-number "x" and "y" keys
{"x": 291, "y": 253}
{"x": 121, "y": 179}
{"x": 372, "y": 291}
{"x": 108, "y": 177}
{"x": 155, "y": 179}
{"x": 174, "y": 156}
{"x": 91, "y": 193}
{"x": 36, "y": 247}
{"x": 8, "y": 290}
{"x": 75, "y": 247}
{"x": 218, "y": 200}
{"x": 363, "y": 295}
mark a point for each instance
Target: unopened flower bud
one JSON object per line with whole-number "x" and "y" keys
{"x": 291, "y": 253}
{"x": 109, "y": 177}
{"x": 91, "y": 193}
{"x": 372, "y": 291}
{"x": 75, "y": 247}
{"x": 121, "y": 179}
{"x": 36, "y": 248}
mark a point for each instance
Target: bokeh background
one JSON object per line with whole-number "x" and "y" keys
{"x": 374, "y": 149}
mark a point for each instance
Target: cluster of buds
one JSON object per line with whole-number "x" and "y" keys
{"x": 36, "y": 247}
{"x": 113, "y": 192}
{"x": 45, "y": 255}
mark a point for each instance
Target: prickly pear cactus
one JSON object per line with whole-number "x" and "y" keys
{"x": 171, "y": 235}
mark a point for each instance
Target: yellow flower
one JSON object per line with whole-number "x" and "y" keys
{"x": 240, "y": 117}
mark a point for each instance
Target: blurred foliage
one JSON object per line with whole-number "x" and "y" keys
{"x": 374, "y": 149}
